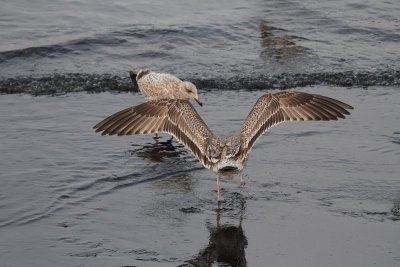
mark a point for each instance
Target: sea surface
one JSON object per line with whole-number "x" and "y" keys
{"x": 317, "y": 193}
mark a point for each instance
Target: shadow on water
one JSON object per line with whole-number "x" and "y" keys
{"x": 159, "y": 150}
{"x": 168, "y": 159}
{"x": 227, "y": 242}
{"x": 278, "y": 46}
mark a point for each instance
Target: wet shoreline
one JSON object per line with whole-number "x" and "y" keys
{"x": 59, "y": 84}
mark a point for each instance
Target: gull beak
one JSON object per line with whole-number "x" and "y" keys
{"x": 198, "y": 101}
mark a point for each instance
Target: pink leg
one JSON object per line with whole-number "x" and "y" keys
{"x": 242, "y": 181}
{"x": 218, "y": 189}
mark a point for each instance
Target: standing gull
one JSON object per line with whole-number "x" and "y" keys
{"x": 156, "y": 86}
{"x": 225, "y": 156}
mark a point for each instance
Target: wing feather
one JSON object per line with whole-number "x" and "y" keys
{"x": 175, "y": 117}
{"x": 273, "y": 109}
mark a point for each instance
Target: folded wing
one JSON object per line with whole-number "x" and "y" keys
{"x": 272, "y": 109}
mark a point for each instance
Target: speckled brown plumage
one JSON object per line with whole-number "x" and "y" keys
{"x": 223, "y": 155}
{"x": 156, "y": 86}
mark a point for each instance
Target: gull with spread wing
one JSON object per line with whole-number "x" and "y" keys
{"x": 225, "y": 156}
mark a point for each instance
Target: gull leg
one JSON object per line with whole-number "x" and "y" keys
{"x": 218, "y": 189}
{"x": 242, "y": 181}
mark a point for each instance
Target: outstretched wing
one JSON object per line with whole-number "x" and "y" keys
{"x": 272, "y": 109}
{"x": 175, "y": 117}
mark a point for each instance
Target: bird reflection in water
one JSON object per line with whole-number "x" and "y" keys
{"x": 279, "y": 46}
{"x": 159, "y": 150}
{"x": 170, "y": 161}
{"x": 227, "y": 243}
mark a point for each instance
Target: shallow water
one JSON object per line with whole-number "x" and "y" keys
{"x": 317, "y": 193}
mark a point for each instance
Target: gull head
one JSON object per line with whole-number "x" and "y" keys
{"x": 189, "y": 91}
